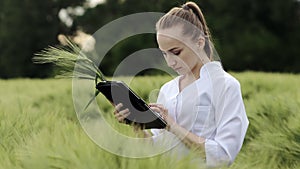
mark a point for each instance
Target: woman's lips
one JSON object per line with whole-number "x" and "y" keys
{"x": 176, "y": 69}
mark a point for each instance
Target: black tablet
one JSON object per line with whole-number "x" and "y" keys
{"x": 140, "y": 113}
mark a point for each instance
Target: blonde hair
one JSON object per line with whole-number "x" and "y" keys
{"x": 188, "y": 12}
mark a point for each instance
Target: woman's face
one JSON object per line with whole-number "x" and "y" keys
{"x": 180, "y": 52}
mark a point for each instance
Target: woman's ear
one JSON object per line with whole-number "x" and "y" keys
{"x": 201, "y": 42}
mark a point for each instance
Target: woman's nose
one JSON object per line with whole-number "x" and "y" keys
{"x": 171, "y": 62}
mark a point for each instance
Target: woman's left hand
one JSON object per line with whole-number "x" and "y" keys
{"x": 159, "y": 108}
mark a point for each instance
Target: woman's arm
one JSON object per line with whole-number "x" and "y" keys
{"x": 231, "y": 127}
{"x": 190, "y": 139}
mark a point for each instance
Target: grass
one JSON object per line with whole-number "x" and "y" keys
{"x": 39, "y": 127}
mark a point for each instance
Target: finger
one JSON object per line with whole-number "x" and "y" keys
{"x": 120, "y": 113}
{"x": 152, "y": 104}
{"x": 156, "y": 109}
{"x": 155, "y": 105}
{"x": 162, "y": 113}
{"x": 160, "y": 106}
{"x": 118, "y": 107}
{"x": 121, "y": 117}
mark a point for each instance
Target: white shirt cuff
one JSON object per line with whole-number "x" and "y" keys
{"x": 215, "y": 155}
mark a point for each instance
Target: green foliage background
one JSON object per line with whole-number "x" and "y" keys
{"x": 39, "y": 128}
{"x": 249, "y": 34}
{"x": 27, "y": 27}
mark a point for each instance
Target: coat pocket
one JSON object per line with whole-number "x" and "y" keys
{"x": 203, "y": 117}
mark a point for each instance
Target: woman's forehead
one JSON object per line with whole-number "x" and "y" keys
{"x": 171, "y": 37}
{"x": 166, "y": 42}
{"x": 172, "y": 32}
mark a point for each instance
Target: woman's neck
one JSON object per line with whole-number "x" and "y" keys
{"x": 194, "y": 74}
{"x": 190, "y": 77}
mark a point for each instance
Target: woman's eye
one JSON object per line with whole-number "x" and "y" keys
{"x": 176, "y": 52}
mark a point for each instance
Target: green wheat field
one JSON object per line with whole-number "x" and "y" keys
{"x": 39, "y": 128}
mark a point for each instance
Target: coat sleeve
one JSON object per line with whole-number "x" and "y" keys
{"x": 232, "y": 124}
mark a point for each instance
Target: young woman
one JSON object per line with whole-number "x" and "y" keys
{"x": 203, "y": 106}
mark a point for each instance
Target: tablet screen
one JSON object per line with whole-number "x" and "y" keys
{"x": 140, "y": 113}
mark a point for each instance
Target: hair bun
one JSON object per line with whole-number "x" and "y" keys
{"x": 185, "y": 7}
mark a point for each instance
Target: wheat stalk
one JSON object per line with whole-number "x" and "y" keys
{"x": 72, "y": 62}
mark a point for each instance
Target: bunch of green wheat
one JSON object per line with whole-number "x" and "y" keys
{"x": 72, "y": 62}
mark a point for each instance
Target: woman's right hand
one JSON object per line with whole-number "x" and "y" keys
{"x": 159, "y": 108}
{"x": 120, "y": 115}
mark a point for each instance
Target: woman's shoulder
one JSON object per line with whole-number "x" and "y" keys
{"x": 231, "y": 83}
{"x": 218, "y": 76}
{"x": 230, "y": 79}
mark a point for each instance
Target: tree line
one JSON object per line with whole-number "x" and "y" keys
{"x": 249, "y": 34}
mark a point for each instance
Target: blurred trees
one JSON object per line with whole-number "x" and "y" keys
{"x": 26, "y": 27}
{"x": 249, "y": 34}
{"x": 102, "y": 14}
{"x": 256, "y": 35}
